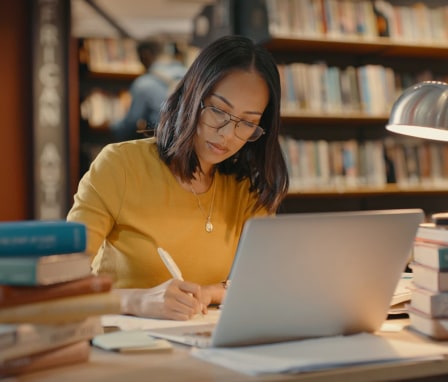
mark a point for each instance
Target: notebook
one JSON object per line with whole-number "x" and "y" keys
{"x": 309, "y": 275}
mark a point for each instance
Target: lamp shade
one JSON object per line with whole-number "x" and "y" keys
{"x": 421, "y": 111}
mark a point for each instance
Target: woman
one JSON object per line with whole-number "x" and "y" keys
{"x": 214, "y": 163}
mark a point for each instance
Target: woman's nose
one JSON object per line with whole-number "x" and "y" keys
{"x": 228, "y": 128}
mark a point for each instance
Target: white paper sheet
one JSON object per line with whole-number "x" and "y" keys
{"x": 138, "y": 323}
{"x": 403, "y": 291}
{"x": 318, "y": 354}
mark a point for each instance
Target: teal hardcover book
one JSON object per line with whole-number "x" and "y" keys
{"x": 41, "y": 238}
{"x": 44, "y": 270}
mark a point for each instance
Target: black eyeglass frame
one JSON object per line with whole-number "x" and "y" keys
{"x": 258, "y": 129}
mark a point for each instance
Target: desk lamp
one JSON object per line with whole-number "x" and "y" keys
{"x": 422, "y": 111}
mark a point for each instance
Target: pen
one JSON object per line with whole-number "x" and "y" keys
{"x": 170, "y": 264}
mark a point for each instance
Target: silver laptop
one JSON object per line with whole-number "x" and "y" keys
{"x": 309, "y": 275}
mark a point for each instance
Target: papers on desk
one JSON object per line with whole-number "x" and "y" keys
{"x": 130, "y": 341}
{"x": 123, "y": 322}
{"x": 402, "y": 294}
{"x": 294, "y": 356}
{"x": 318, "y": 354}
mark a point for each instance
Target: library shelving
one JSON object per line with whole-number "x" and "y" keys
{"x": 340, "y": 78}
{"x": 107, "y": 67}
{"x": 359, "y": 66}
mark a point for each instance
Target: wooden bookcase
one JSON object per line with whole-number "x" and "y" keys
{"x": 107, "y": 68}
{"x": 401, "y": 55}
{"x": 420, "y": 59}
{"x": 333, "y": 126}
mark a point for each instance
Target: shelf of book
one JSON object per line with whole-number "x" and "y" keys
{"x": 342, "y": 65}
{"x": 404, "y": 54}
{"x": 387, "y": 190}
{"x": 379, "y": 46}
{"x": 391, "y": 197}
{"x": 106, "y": 68}
{"x": 110, "y": 76}
{"x": 295, "y": 116}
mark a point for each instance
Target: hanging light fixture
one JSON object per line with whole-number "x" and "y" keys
{"x": 422, "y": 111}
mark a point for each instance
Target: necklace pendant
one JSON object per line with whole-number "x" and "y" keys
{"x": 208, "y": 226}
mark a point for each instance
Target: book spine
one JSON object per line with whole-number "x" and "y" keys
{"x": 23, "y": 273}
{"x": 432, "y": 327}
{"x": 430, "y": 240}
{"x": 19, "y": 295}
{"x": 60, "y": 310}
{"x": 434, "y": 304}
{"x": 439, "y": 305}
{"x": 32, "y": 339}
{"x": 7, "y": 335}
{"x": 432, "y": 235}
{"x": 40, "y": 238}
{"x": 66, "y": 355}
{"x": 43, "y": 270}
{"x": 430, "y": 278}
{"x": 431, "y": 255}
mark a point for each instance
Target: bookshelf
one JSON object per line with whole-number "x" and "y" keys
{"x": 406, "y": 58}
{"x": 107, "y": 68}
{"x": 414, "y": 51}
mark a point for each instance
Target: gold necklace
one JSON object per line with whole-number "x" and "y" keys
{"x": 208, "y": 218}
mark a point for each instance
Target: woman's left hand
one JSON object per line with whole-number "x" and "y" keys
{"x": 211, "y": 294}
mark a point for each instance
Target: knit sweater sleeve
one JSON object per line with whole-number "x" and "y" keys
{"x": 99, "y": 197}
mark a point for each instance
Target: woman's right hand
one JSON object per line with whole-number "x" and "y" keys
{"x": 172, "y": 300}
{"x": 182, "y": 300}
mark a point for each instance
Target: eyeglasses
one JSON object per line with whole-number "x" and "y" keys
{"x": 217, "y": 119}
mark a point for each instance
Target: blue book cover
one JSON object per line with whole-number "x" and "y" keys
{"x": 41, "y": 238}
{"x": 44, "y": 270}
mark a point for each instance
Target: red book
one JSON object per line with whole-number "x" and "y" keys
{"x": 20, "y": 295}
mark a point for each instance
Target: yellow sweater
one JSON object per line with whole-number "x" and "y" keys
{"x": 132, "y": 203}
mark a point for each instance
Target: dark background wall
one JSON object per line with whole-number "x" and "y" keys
{"x": 15, "y": 110}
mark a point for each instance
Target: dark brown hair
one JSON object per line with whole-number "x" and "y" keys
{"x": 260, "y": 161}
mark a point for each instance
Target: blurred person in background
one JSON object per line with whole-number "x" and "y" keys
{"x": 163, "y": 70}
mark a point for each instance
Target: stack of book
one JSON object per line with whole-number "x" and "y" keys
{"x": 428, "y": 309}
{"x": 50, "y": 303}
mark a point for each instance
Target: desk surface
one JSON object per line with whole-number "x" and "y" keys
{"x": 179, "y": 365}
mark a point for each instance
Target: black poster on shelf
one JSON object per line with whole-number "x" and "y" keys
{"x": 214, "y": 21}
{"x": 51, "y": 23}
{"x": 245, "y": 17}
{"x": 252, "y": 20}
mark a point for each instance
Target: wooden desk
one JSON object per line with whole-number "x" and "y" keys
{"x": 180, "y": 366}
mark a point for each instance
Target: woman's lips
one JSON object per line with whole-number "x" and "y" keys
{"x": 217, "y": 148}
